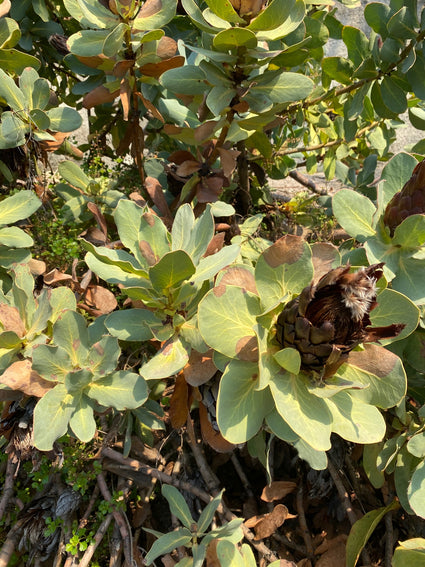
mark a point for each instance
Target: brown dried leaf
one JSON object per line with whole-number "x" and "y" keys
{"x": 94, "y": 236}
{"x": 179, "y": 403}
{"x": 156, "y": 69}
{"x": 228, "y": 159}
{"x": 120, "y": 69}
{"x": 152, "y": 109}
{"x": 99, "y": 95}
{"x": 324, "y": 256}
{"x": 94, "y": 61}
{"x": 334, "y": 552}
{"x": 37, "y": 267}
{"x": 215, "y": 245}
{"x": 265, "y": 525}
{"x": 11, "y": 320}
{"x": 101, "y": 221}
{"x": 149, "y": 8}
{"x": 211, "y": 557}
{"x": 125, "y": 96}
{"x": 209, "y": 190}
{"x": 240, "y": 277}
{"x": 153, "y": 187}
{"x": 187, "y": 168}
{"x": 200, "y": 368}
{"x": 167, "y": 560}
{"x": 166, "y": 48}
{"x": 374, "y": 359}
{"x": 277, "y": 489}
{"x": 286, "y": 250}
{"x": 55, "y": 276}
{"x": 179, "y": 156}
{"x": 205, "y": 131}
{"x": 20, "y": 376}
{"x": 53, "y": 145}
{"x": 100, "y": 299}
{"x": 247, "y": 349}
{"x": 138, "y": 199}
{"x": 210, "y": 436}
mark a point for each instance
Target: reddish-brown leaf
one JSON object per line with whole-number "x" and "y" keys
{"x": 11, "y": 320}
{"x": 153, "y": 187}
{"x": 37, "y": 267}
{"x": 55, "y": 276}
{"x": 187, "y": 168}
{"x": 20, "y": 376}
{"x": 214, "y": 438}
{"x": 323, "y": 258}
{"x": 99, "y": 95}
{"x": 333, "y": 551}
{"x": 53, "y": 145}
{"x": 167, "y": 47}
{"x": 240, "y": 277}
{"x": 209, "y": 190}
{"x": 156, "y": 69}
{"x": 125, "y": 96}
{"x": 215, "y": 245}
{"x": 152, "y": 109}
{"x": 277, "y": 489}
{"x": 179, "y": 156}
{"x": 200, "y": 368}
{"x": 5, "y": 8}
{"x": 94, "y": 61}
{"x": 100, "y": 299}
{"x": 120, "y": 69}
{"x": 96, "y": 212}
{"x": 205, "y": 131}
{"x": 228, "y": 159}
{"x": 179, "y": 403}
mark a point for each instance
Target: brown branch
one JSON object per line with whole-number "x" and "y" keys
{"x": 11, "y": 469}
{"x": 209, "y": 477}
{"x": 303, "y": 522}
{"x": 119, "y": 519}
{"x": 88, "y": 554}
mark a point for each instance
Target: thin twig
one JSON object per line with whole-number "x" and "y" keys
{"x": 85, "y": 560}
{"x": 303, "y": 522}
{"x": 242, "y": 476}
{"x": 209, "y": 477}
{"x": 11, "y": 468}
{"x": 118, "y": 517}
{"x": 389, "y": 528}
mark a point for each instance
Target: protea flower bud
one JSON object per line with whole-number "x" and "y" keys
{"x": 409, "y": 201}
{"x": 247, "y": 7}
{"x": 326, "y": 321}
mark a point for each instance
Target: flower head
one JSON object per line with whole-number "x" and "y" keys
{"x": 326, "y": 321}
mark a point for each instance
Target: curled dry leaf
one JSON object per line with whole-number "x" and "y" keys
{"x": 179, "y": 403}
{"x": 334, "y": 552}
{"x": 100, "y": 219}
{"x": 37, "y": 267}
{"x": 200, "y": 368}
{"x": 20, "y": 376}
{"x": 324, "y": 254}
{"x": 125, "y": 96}
{"x": 277, "y": 490}
{"x": 228, "y": 160}
{"x": 240, "y": 277}
{"x": 55, "y": 276}
{"x": 99, "y": 95}
{"x": 167, "y": 47}
{"x": 156, "y": 69}
{"x": 154, "y": 189}
{"x": 265, "y": 525}
{"x": 210, "y": 435}
{"x": 215, "y": 245}
{"x": 10, "y": 320}
{"x": 99, "y": 300}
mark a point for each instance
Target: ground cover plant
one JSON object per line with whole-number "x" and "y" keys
{"x": 192, "y": 370}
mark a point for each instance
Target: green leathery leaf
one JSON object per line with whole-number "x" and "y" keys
{"x": 170, "y": 359}
{"x": 132, "y": 324}
{"x": 379, "y": 369}
{"x": 283, "y": 269}
{"x": 289, "y": 359}
{"x": 417, "y": 117}
{"x": 370, "y": 456}
{"x": 190, "y": 235}
{"x": 241, "y": 408}
{"x": 416, "y": 445}
{"x": 16, "y": 61}
{"x": 35, "y": 89}
{"x": 229, "y": 554}
{"x": 272, "y": 16}
{"x": 77, "y": 381}
{"x": 12, "y": 131}
{"x": 11, "y": 92}
{"x": 61, "y": 299}
{"x": 171, "y": 270}
{"x": 363, "y": 529}
{"x": 118, "y": 258}
{"x": 178, "y": 505}
{"x": 208, "y": 512}
{"x": 209, "y": 266}
{"x": 234, "y": 38}
{"x": 9, "y": 33}
{"x": 339, "y": 69}
{"x": 416, "y": 490}
{"x": 114, "y": 42}
{"x": 72, "y": 173}
{"x": 143, "y": 233}
{"x": 120, "y": 390}
{"x": 82, "y": 421}
{"x": 394, "y": 175}
{"x": 51, "y": 362}
{"x": 307, "y": 415}
{"x": 157, "y": 19}
{"x": 18, "y": 207}
{"x": 15, "y": 237}
{"x": 226, "y": 318}
{"x": 87, "y": 43}
{"x": 64, "y": 119}
{"x": 402, "y": 24}
{"x": 39, "y": 119}
{"x": 354, "y": 213}
{"x": 406, "y": 465}
{"x": 195, "y": 14}
{"x": 168, "y": 542}
{"x": 354, "y": 420}
{"x": 58, "y": 405}
{"x": 94, "y": 14}
{"x": 70, "y": 333}
{"x": 357, "y": 44}
{"x": 224, "y": 9}
{"x": 394, "y": 97}
{"x": 410, "y": 552}
{"x": 189, "y": 80}
{"x": 284, "y": 87}
{"x": 294, "y": 17}
{"x": 410, "y": 233}
{"x": 394, "y": 307}
{"x": 377, "y": 15}
{"x": 103, "y": 356}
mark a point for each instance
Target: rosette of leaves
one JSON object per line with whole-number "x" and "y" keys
{"x": 389, "y": 231}
{"x": 28, "y": 120}
{"x": 195, "y": 536}
{"x": 13, "y": 60}
{"x": 263, "y": 382}
{"x": 167, "y": 273}
{"x": 81, "y": 364}
{"x": 81, "y": 189}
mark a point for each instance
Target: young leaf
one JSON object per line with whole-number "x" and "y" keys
{"x": 178, "y": 505}
{"x": 354, "y": 213}
{"x": 170, "y": 271}
{"x": 208, "y": 512}
{"x": 70, "y": 333}
{"x": 120, "y": 390}
{"x": 169, "y": 360}
{"x": 51, "y": 417}
{"x": 168, "y": 542}
{"x": 82, "y": 421}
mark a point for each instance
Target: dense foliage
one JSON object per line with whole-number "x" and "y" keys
{"x": 148, "y": 300}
